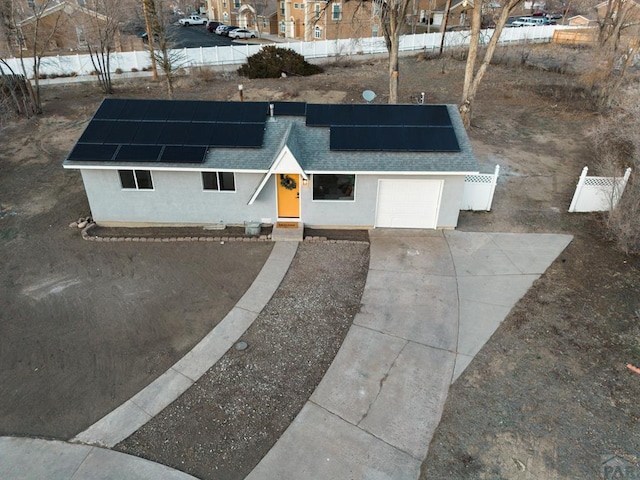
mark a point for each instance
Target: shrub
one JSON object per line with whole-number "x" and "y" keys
{"x": 118, "y": 70}
{"x": 134, "y": 69}
{"x": 272, "y": 62}
{"x": 615, "y": 143}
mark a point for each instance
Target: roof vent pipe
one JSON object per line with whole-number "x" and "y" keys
{"x": 271, "y": 109}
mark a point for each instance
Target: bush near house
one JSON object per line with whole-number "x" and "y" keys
{"x": 272, "y": 62}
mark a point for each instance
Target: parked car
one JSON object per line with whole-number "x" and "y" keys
{"x": 192, "y": 20}
{"x": 220, "y": 28}
{"x": 228, "y": 28}
{"x": 530, "y": 22}
{"x": 211, "y": 26}
{"x": 242, "y": 33}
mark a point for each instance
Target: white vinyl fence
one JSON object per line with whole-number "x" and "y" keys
{"x": 74, "y": 65}
{"x": 598, "y": 194}
{"x": 479, "y": 190}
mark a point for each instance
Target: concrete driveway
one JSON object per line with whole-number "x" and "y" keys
{"x": 431, "y": 301}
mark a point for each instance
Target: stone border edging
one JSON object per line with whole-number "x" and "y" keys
{"x": 261, "y": 238}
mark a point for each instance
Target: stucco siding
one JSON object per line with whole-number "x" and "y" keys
{"x": 177, "y": 198}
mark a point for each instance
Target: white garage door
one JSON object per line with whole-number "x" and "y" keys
{"x": 408, "y": 203}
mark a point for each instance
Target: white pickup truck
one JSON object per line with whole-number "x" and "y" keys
{"x": 192, "y": 20}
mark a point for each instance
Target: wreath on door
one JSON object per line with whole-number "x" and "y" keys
{"x": 287, "y": 182}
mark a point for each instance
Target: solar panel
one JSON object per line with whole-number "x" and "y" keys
{"x": 297, "y": 109}
{"x": 174, "y": 133}
{"x": 138, "y": 153}
{"x": 183, "y": 154}
{"x": 84, "y": 151}
{"x": 121, "y": 132}
{"x": 224, "y": 135}
{"x": 110, "y": 108}
{"x": 318, "y": 115}
{"x": 250, "y": 135}
{"x": 198, "y": 133}
{"x": 205, "y": 112}
{"x": 157, "y": 110}
{"x": 133, "y": 110}
{"x": 148, "y": 133}
{"x": 96, "y": 131}
{"x": 182, "y": 110}
{"x": 398, "y": 138}
{"x": 254, "y": 112}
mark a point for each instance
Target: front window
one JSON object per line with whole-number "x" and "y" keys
{"x": 375, "y": 31}
{"x": 283, "y": 27}
{"x": 334, "y": 187}
{"x": 281, "y": 8}
{"x": 225, "y": 16}
{"x": 317, "y": 32}
{"x": 295, "y": 6}
{"x": 336, "y": 12}
{"x": 219, "y": 181}
{"x": 317, "y": 8}
{"x": 236, "y": 3}
{"x": 136, "y": 179}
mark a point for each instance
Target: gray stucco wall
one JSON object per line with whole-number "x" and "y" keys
{"x": 178, "y": 198}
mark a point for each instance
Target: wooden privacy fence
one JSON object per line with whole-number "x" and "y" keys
{"x": 598, "y": 194}
{"x": 479, "y": 190}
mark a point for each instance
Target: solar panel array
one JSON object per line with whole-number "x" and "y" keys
{"x": 169, "y": 131}
{"x": 381, "y": 127}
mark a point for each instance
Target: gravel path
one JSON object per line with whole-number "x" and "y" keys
{"x": 225, "y": 423}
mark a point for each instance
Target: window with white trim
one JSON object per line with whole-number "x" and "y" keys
{"x": 334, "y": 187}
{"x": 282, "y": 8}
{"x": 374, "y": 31}
{"x": 317, "y": 32}
{"x": 317, "y": 9}
{"x": 295, "y": 6}
{"x": 225, "y": 17}
{"x": 236, "y": 3}
{"x": 336, "y": 12}
{"x": 219, "y": 181}
{"x": 283, "y": 27}
{"x": 136, "y": 179}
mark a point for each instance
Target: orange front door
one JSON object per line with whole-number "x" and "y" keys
{"x": 288, "y": 195}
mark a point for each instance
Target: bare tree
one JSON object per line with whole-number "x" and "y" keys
{"x": 105, "y": 17}
{"x": 392, "y": 17}
{"x": 616, "y": 145}
{"x": 37, "y": 37}
{"x": 472, "y": 76}
{"x": 161, "y": 42}
{"x": 617, "y": 48}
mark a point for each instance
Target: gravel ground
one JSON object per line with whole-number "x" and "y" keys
{"x": 225, "y": 423}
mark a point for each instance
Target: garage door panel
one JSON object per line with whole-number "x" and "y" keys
{"x": 408, "y": 203}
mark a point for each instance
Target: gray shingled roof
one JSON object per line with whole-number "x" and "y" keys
{"x": 310, "y": 146}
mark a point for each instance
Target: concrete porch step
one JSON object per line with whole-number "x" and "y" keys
{"x": 288, "y": 232}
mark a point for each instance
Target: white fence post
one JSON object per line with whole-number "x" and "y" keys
{"x": 494, "y": 182}
{"x": 576, "y": 195}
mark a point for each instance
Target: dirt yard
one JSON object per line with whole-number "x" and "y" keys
{"x": 547, "y": 396}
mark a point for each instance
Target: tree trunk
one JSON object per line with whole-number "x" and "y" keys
{"x": 447, "y": 7}
{"x": 471, "y": 81}
{"x": 467, "y": 92}
{"x": 394, "y": 71}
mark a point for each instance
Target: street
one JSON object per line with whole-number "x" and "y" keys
{"x": 195, "y": 36}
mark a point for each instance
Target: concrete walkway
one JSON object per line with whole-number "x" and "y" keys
{"x": 431, "y": 301}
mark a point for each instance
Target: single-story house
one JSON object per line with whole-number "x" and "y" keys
{"x": 170, "y": 163}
